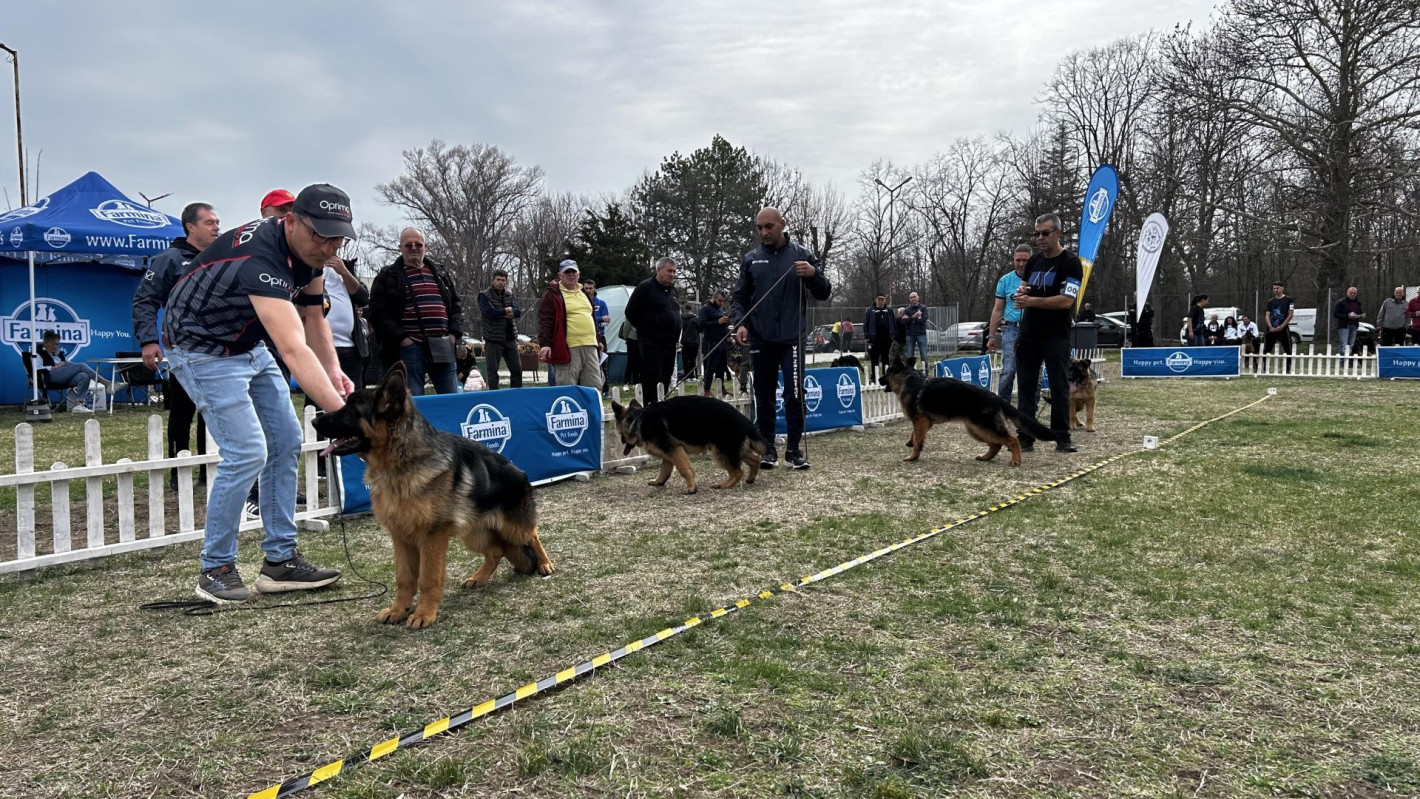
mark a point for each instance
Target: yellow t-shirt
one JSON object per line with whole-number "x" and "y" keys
{"x": 581, "y": 330}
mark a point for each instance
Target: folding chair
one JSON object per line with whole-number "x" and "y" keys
{"x": 139, "y": 376}
{"x": 43, "y": 377}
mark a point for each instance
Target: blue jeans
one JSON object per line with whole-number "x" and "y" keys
{"x": 1348, "y": 339}
{"x": 247, "y": 404}
{"x": 416, "y": 362}
{"x": 1007, "y": 380}
{"x": 76, "y": 377}
{"x": 918, "y": 342}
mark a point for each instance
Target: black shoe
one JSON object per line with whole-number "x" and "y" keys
{"x": 1027, "y": 445}
{"x": 1064, "y": 445}
{"x": 796, "y": 460}
{"x": 770, "y": 459}
{"x": 251, "y": 510}
{"x": 296, "y": 574}
{"x": 222, "y": 585}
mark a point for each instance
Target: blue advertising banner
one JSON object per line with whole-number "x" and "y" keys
{"x": 1398, "y": 363}
{"x": 975, "y": 369}
{"x": 1179, "y": 361}
{"x": 550, "y": 433}
{"x": 1094, "y": 218}
{"x": 833, "y": 398}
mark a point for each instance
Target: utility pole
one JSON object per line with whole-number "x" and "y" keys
{"x": 19, "y": 137}
{"x": 892, "y": 227}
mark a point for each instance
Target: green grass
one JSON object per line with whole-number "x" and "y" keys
{"x": 1233, "y": 614}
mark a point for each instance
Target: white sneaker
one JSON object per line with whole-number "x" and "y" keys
{"x": 79, "y": 408}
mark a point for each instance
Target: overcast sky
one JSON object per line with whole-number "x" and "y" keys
{"x": 222, "y": 102}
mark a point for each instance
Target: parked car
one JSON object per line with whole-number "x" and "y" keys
{"x": 820, "y": 339}
{"x": 1112, "y": 332}
{"x": 964, "y": 336}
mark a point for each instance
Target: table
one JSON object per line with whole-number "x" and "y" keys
{"x": 114, "y": 364}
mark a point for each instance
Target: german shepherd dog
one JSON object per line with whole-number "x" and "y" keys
{"x": 1082, "y": 393}
{"x": 926, "y": 402}
{"x": 428, "y": 486}
{"x": 677, "y": 427}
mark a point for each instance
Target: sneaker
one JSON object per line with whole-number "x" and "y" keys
{"x": 251, "y": 510}
{"x": 1027, "y": 445}
{"x": 770, "y": 459}
{"x": 222, "y": 585}
{"x": 79, "y": 407}
{"x": 296, "y": 574}
{"x": 796, "y": 460}
{"x": 1064, "y": 445}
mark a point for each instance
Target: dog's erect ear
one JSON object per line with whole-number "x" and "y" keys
{"x": 617, "y": 410}
{"x": 634, "y": 406}
{"x": 393, "y": 391}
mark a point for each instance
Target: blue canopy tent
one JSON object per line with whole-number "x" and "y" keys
{"x": 90, "y": 242}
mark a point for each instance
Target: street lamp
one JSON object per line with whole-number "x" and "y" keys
{"x": 892, "y": 224}
{"x": 19, "y": 138}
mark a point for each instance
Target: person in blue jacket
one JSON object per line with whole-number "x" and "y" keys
{"x": 768, "y": 315}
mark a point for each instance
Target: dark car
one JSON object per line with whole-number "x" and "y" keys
{"x": 1111, "y": 333}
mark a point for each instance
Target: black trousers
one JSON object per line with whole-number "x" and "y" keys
{"x": 657, "y": 366}
{"x": 768, "y": 361}
{"x": 717, "y": 364}
{"x": 352, "y": 364}
{"x": 181, "y": 410}
{"x": 495, "y": 351}
{"x": 1053, "y": 353}
{"x": 878, "y": 349}
{"x": 1392, "y": 337}
{"x": 688, "y": 356}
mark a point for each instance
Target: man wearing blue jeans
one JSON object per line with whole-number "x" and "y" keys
{"x": 418, "y": 316}
{"x": 261, "y": 280}
{"x": 915, "y": 317}
{"x": 1005, "y": 323}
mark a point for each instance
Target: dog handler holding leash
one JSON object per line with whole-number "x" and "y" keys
{"x": 775, "y": 332}
{"x": 262, "y": 279}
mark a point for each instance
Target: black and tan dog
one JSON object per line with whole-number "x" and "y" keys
{"x": 847, "y": 361}
{"x": 926, "y": 402}
{"x": 428, "y": 486}
{"x": 677, "y": 427}
{"x": 1082, "y": 393}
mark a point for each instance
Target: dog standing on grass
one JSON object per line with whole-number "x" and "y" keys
{"x": 677, "y": 427}
{"x": 926, "y": 402}
{"x": 427, "y": 487}
{"x": 1082, "y": 393}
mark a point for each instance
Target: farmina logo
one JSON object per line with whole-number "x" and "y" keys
{"x": 488, "y": 426}
{"x": 1099, "y": 205}
{"x": 567, "y": 421}
{"x": 57, "y": 237}
{"x": 122, "y": 212}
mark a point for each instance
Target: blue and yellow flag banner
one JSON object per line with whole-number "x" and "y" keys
{"x": 1099, "y": 202}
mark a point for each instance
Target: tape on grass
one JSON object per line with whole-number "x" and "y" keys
{"x": 453, "y": 722}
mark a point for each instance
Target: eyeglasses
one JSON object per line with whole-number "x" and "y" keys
{"x": 412, "y": 245}
{"x": 1042, "y": 233}
{"x": 321, "y": 240}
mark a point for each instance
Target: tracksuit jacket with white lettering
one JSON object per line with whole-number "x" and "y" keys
{"x": 164, "y": 271}
{"x": 780, "y": 318}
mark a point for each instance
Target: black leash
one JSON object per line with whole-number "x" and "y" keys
{"x": 201, "y": 607}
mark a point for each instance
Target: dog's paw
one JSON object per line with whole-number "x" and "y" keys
{"x": 1015, "y": 461}
{"x": 392, "y": 615}
{"x": 656, "y": 483}
{"x": 984, "y": 457}
{"x": 420, "y": 620}
{"x": 1089, "y": 429}
{"x": 910, "y": 458}
{"x": 689, "y": 491}
{"x": 546, "y": 569}
{"x": 475, "y": 582}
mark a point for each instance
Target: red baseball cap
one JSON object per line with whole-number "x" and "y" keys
{"x": 277, "y": 197}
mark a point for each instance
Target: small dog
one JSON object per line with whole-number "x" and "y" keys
{"x": 944, "y": 399}
{"x": 677, "y": 427}
{"x": 428, "y": 486}
{"x": 1082, "y": 393}
{"x": 851, "y": 360}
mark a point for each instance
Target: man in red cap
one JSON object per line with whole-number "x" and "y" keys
{"x": 277, "y": 202}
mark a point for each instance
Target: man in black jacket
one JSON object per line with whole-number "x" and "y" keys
{"x": 200, "y": 227}
{"x": 878, "y": 328}
{"x": 768, "y": 310}
{"x": 655, "y": 313}
{"x": 413, "y": 305}
{"x": 714, "y": 329}
{"x": 499, "y": 309}
{"x": 689, "y": 341}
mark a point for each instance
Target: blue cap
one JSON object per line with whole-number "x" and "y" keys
{"x": 568, "y": 265}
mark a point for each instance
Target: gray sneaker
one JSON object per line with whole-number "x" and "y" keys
{"x": 296, "y": 574}
{"x": 222, "y": 585}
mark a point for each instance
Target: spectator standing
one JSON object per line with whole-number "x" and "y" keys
{"x": 878, "y": 326}
{"x": 689, "y": 341}
{"x": 1348, "y": 315}
{"x": 1052, "y": 283}
{"x": 566, "y": 332}
{"x": 499, "y": 311}
{"x": 835, "y": 337}
{"x": 1279, "y": 323}
{"x": 1004, "y": 328}
{"x": 1412, "y": 312}
{"x": 846, "y": 342}
{"x": 418, "y": 316}
{"x": 1141, "y": 323}
{"x": 1391, "y": 318}
{"x": 277, "y": 203}
{"x": 774, "y": 332}
{"x": 1087, "y": 313}
{"x": 1197, "y": 331}
{"x": 201, "y": 227}
{"x": 344, "y": 292}
{"x": 655, "y": 313}
{"x": 898, "y": 350}
{"x": 714, "y": 349}
{"x": 915, "y": 317}
{"x": 601, "y": 314}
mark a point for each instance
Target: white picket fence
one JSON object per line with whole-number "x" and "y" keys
{"x": 1311, "y": 364}
{"x": 130, "y": 535}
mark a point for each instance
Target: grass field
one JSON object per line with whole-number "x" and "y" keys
{"x": 1234, "y": 614}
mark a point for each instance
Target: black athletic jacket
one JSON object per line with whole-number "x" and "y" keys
{"x": 164, "y": 271}
{"x": 780, "y": 318}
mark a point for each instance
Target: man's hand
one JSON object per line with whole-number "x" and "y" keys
{"x": 343, "y": 386}
{"x": 508, "y": 312}
{"x": 338, "y": 264}
{"x": 545, "y": 355}
{"x": 990, "y": 343}
{"x": 724, "y": 320}
{"x": 152, "y": 353}
{"x": 804, "y": 269}
{"x": 742, "y": 335}
{"x": 406, "y": 341}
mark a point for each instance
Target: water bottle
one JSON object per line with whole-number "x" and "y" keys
{"x": 100, "y": 398}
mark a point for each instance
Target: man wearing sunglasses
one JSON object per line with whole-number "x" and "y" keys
{"x": 261, "y": 280}
{"x": 1046, "y": 296}
{"x": 417, "y": 316}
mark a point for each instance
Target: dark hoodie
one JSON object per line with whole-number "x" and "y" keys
{"x": 164, "y": 271}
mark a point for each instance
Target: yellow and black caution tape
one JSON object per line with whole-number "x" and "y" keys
{"x": 453, "y": 722}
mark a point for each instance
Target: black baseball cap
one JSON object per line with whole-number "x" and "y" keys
{"x": 328, "y": 208}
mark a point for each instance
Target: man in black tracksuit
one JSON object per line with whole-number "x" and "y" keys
{"x": 655, "y": 313}
{"x": 200, "y": 227}
{"x": 714, "y": 329}
{"x": 879, "y": 325}
{"x": 768, "y": 313}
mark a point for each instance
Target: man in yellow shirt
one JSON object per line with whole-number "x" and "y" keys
{"x": 567, "y": 333}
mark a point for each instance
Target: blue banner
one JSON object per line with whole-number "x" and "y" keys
{"x": 1094, "y": 218}
{"x": 1398, "y": 363}
{"x": 833, "y": 398}
{"x": 1179, "y": 361}
{"x": 550, "y": 433}
{"x": 975, "y": 369}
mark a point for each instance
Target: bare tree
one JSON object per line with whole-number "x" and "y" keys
{"x": 883, "y": 228}
{"x": 818, "y": 216}
{"x": 540, "y": 237}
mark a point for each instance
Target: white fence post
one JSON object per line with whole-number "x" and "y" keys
{"x": 25, "y": 494}
{"x": 59, "y": 509}
{"x": 94, "y": 486}
{"x": 125, "y": 503}
{"x": 156, "y": 477}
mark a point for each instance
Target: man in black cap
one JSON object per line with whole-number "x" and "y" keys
{"x": 261, "y": 280}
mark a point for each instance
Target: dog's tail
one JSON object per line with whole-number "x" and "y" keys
{"x": 1035, "y": 428}
{"x": 756, "y": 442}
